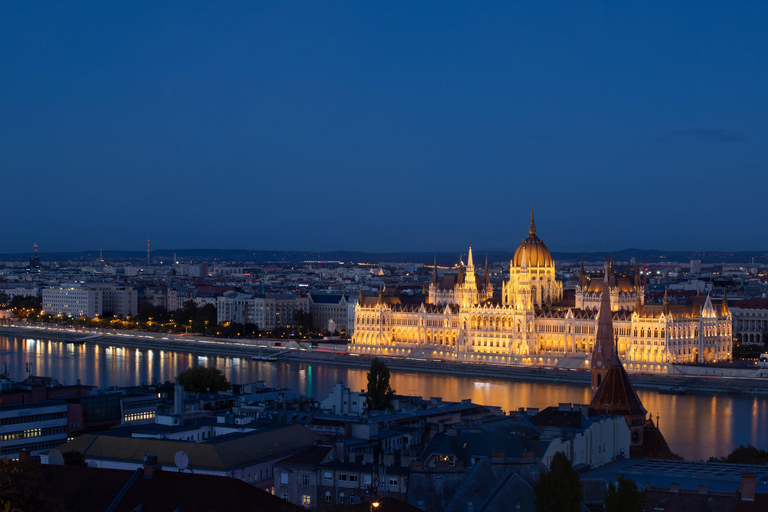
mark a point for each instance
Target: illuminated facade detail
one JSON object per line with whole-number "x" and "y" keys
{"x": 530, "y": 325}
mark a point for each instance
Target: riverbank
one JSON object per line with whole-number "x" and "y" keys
{"x": 261, "y": 349}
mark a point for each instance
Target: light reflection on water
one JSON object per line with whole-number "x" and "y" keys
{"x": 696, "y": 426}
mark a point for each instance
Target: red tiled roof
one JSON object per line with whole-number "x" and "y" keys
{"x": 754, "y": 303}
{"x": 616, "y": 395}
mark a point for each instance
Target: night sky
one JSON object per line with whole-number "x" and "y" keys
{"x": 383, "y": 126}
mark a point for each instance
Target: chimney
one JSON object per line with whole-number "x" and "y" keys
{"x": 748, "y": 484}
{"x": 178, "y": 400}
{"x": 338, "y": 453}
{"x": 151, "y": 466}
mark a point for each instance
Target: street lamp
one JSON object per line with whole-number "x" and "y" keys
{"x": 374, "y": 505}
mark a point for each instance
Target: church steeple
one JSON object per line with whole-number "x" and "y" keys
{"x": 603, "y": 352}
{"x": 487, "y": 277}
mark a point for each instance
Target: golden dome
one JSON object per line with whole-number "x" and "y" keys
{"x": 536, "y": 253}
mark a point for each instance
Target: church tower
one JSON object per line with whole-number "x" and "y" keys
{"x": 603, "y": 353}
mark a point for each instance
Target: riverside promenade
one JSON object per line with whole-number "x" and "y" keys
{"x": 694, "y": 379}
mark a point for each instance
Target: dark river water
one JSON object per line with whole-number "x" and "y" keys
{"x": 696, "y": 426}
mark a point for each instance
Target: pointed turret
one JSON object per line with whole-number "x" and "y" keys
{"x": 532, "y": 227}
{"x": 611, "y": 274}
{"x": 381, "y": 294}
{"x": 724, "y": 309}
{"x": 434, "y": 274}
{"x": 360, "y": 296}
{"x": 637, "y": 275}
{"x": 665, "y": 302}
{"x": 582, "y": 276}
{"x": 470, "y": 261}
{"x": 487, "y": 277}
{"x": 603, "y": 352}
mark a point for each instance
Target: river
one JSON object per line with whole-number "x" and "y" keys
{"x": 696, "y": 426}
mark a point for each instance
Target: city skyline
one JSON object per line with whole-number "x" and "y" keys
{"x": 384, "y": 128}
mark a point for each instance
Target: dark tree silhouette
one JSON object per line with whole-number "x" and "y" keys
{"x": 379, "y": 392}
{"x": 559, "y": 490}
{"x": 625, "y": 497}
{"x": 202, "y": 379}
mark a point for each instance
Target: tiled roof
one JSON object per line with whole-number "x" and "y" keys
{"x": 754, "y": 303}
{"x": 616, "y": 395}
{"x": 94, "y": 489}
{"x": 219, "y": 453}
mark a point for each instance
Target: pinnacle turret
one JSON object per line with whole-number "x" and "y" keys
{"x": 603, "y": 353}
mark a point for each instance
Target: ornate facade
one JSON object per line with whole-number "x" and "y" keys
{"x": 528, "y": 323}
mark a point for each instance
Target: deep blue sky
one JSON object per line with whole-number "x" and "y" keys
{"x": 383, "y": 126}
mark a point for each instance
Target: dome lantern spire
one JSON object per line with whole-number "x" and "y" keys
{"x": 532, "y": 227}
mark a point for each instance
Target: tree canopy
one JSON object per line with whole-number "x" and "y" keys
{"x": 202, "y": 379}
{"x": 379, "y": 391}
{"x": 23, "y": 487}
{"x": 626, "y": 497}
{"x": 744, "y": 455}
{"x": 560, "y": 489}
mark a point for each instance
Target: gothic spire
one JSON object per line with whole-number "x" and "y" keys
{"x": 582, "y": 276}
{"x": 487, "y": 278}
{"x": 470, "y": 262}
{"x": 532, "y": 227}
{"x": 603, "y": 353}
{"x": 434, "y": 273}
{"x": 637, "y": 274}
{"x": 360, "y": 296}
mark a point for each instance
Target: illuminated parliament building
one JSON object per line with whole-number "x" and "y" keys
{"x": 527, "y": 322}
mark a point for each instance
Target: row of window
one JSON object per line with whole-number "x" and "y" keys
{"x": 32, "y": 432}
{"x": 29, "y": 447}
{"x": 136, "y": 416}
{"x": 33, "y": 417}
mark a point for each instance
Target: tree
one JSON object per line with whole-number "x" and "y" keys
{"x": 626, "y": 498}
{"x": 202, "y": 379}
{"x": 379, "y": 392}
{"x": 23, "y": 487}
{"x": 74, "y": 458}
{"x": 560, "y": 489}
{"x": 303, "y": 321}
{"x": 744, "y": 455}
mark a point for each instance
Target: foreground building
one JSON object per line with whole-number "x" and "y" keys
{"x": 527, "y": 322}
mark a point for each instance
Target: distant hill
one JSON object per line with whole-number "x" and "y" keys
{"x": 443, "y": 258}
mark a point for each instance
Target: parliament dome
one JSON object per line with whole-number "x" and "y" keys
{"x": 536, "y": 253}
